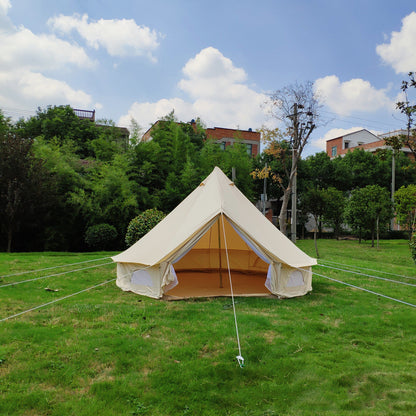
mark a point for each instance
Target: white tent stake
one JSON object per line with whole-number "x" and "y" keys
{"x": 239, "y": 357}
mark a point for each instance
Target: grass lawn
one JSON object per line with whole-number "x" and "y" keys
{"x": 336, "y": 351}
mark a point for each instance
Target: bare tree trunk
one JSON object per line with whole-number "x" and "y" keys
{"x": 283, "y": 210}
{"x": 316, "y": 243}
{"x": 9, "y": 239}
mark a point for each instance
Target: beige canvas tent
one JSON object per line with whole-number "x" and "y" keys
{"x": 214, "y": 233}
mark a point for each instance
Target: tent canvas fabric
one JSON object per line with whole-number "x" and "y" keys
{"x": 213, "y": 234}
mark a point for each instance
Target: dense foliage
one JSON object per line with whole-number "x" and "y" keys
{"x": 142, "y": 224}
{"x": 60, "y": 175}
{"x": 100, "y": 236}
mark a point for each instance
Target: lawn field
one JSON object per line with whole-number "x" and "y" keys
{"x": 337, "y": 351}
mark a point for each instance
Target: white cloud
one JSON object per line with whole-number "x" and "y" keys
{"x": 347, "y": 97}
{"x": 217, "y": 94}
{"x": 25, "y": 57}
{"x": 400, "y": 53}
{"x": 31, "y": 89}
{"x": 120, "y": 37}
{"x": 23, "y": 49}
{"x": 4, "y": 6}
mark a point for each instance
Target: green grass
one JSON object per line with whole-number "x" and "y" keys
{"x": 336, "y": 351}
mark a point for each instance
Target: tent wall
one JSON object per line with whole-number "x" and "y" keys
{"x": 293, "y": 282}
{"x": 201, "y": 269}
{"x": 139, "y": 279}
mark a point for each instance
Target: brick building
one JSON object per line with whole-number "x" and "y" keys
{"x": 362, "y": 139}
{"x": 224, "y": 137}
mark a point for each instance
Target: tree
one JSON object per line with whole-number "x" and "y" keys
{"x": 59, "y": 124}
{"x": 108, "y": 196}
{"x": 25, "y": 186}
{"x": 319, "y": 170}
{"x": 313, "y": 202}
{"x": 334, "y": 207}
{"x": 368, "y": 208}
{"x": 405, "y": 204}
{"x": 409, "y": 111}
{"x": 297, "y": 107}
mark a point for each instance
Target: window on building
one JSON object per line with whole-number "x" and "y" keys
{"x": 346, "y": 145}
{"x": 222, "y": 145}
{"x": 249, "y": 149}
{"x": 334, "y": 151}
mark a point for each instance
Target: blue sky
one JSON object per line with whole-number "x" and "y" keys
{"x": 215, "y": 60}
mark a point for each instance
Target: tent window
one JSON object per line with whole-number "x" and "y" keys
{"x": 142, "y": 277}
{"x": 295, "y": 279}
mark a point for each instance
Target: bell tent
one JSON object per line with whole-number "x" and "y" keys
{"x": 213, "y": 236}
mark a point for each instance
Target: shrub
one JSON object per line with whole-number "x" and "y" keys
{"x": 412, "y": 244}
{"x": 100, "y": 236}
{"x": 142, "y": 224}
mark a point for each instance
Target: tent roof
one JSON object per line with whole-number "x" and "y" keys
{"x": 216, "y": 195}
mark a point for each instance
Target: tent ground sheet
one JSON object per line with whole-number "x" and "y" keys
{"x": 213, "y": 283}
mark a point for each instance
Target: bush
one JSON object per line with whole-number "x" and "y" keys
{"x": 412, "y": 245}
{"x": 100, "y": 236}
{"x": 142, "y": 224}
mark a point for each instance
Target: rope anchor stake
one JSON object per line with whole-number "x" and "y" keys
{"x": 240, "y": 360}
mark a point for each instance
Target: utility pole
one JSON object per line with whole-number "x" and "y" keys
{"x": 264, "y": 191}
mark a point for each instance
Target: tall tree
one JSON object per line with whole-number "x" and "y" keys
{"x": 25, "y": 186}
{"x": 409, "y": 111}
{"x": 368, "y": 208}
{"x": 59, "y": 124}
{"x": 297, "y": 107}
{"x": 405, "y": 204}
{"x": 334, "y": 208}
{"x": 313, "y": 202}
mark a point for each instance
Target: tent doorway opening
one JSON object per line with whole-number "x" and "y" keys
{"x": 203, "y": 270}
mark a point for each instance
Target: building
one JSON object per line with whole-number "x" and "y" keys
{"x": 223, "y": 136}
{"x": 362, "y": 139}
{"x": 227, "y": 137}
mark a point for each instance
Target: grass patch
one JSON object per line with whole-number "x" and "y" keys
{"x": 333, "y": 352}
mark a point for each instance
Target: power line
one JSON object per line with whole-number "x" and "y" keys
{"x": 350, "y": 120}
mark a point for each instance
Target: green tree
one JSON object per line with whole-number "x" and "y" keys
{"x": 368, "y": 208}
{"x": 318, "y": 171}
{"x": 297, "y": 107}
{"x": 59, "y": 124}
{"x": 25, "y": 188}
{"x": 405, "y": 204}
{"x": 109, "y": 196}
{"x": 313, "y": 202}
{"x": 409, "y": 111}
{"x": 334, "y": 208}
{"x": 361, "y": 168}
{"x": 66, "y": 224}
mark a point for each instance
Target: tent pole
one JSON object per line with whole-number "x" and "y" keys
{"x": 219, "y": 250}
